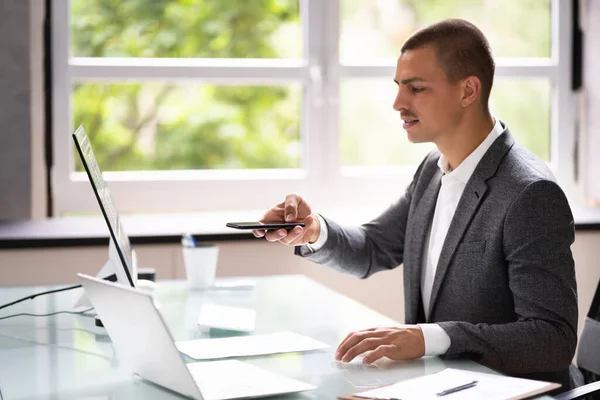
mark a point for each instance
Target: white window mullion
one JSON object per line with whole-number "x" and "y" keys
{"x": 309, "y": 113}
{"x": 329, "y": 177}
{"x": 563, "y": 99}
{"x": 368, "y": 71}
{"x": 61, "y": 106}
{"x": 233, "y": 71}
{"x": 135, "y": 196}
{"x": 517, "y": 68}
{"x": 314, "y": 110}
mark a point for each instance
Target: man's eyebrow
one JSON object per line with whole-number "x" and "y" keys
{"x": 409, "y": 80}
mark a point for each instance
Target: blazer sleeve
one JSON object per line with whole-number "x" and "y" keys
{"x": 363, "y": 250}
{"x": 537, "y": 238}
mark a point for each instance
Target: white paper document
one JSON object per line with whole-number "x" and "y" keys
{"x": 487, "y": 386}
{"x": 235, "y": 284}
{"x": 225, "y": 317}
{"x": 232, "y": 379}
{"x": 244, "y": 346}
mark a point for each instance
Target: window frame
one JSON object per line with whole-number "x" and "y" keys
{"x": 320, "y": 178}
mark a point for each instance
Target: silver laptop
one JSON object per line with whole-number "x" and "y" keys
{"x": 143, "y": 341}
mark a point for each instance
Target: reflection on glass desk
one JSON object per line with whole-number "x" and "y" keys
{"x": 67, "y": 357}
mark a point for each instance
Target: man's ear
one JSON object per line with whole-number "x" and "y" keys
{"x": 471, "y": 90}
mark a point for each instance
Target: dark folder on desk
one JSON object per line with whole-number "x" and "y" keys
{"x": 477, "y": 386}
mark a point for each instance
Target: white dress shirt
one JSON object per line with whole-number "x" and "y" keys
{"x": 453, "y": 184}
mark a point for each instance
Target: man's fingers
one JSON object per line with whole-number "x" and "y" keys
{"x": 258, "y": 233}
{"x": 352, "y": 340}
{"x": 370, "y": 343}
{"x": 385, "y": 350}
{"x": 348, "y": 336}
{"x": 348, "y": 342}
{"x": 274, "y": 214}
{"x": 291, "y": 207}
{"x": 352, "y": 333}
{"x": 310, "y": 225}
{"x": 304, "y": 238}
{"x": 295, "y": 235}
{"x": 299, "y": 235}
{"x": 311, "y": 229}
{"x": 275, "y": 235}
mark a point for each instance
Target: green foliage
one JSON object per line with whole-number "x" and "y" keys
{"x": 149, "y": 126}
{"x": 181, "y": 28}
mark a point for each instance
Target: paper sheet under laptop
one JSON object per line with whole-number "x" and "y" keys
{"x": 214, "y": 379}
{"x": 244, "y": 346}
{"x": 225, "y": 317}
{"x": 489, "y": 387}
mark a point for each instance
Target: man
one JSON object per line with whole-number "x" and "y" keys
{"x": 483, "y": 230}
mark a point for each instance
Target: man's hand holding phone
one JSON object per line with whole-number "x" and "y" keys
{"x": 294, "y": 208}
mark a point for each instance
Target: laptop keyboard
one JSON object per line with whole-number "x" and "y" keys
{"x": 232, "y": 379}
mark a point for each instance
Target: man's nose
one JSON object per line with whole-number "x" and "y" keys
{"x": 400, "y": 102}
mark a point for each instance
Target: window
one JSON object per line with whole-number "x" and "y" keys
{"x": 221, "y": 104}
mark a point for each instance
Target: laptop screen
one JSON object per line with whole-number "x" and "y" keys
{"x": 105, "y": 201}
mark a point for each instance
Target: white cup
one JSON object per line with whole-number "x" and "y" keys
{"x": 200, "y": 265}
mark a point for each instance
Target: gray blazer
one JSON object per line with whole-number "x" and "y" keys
{"x": 504, "y": 289}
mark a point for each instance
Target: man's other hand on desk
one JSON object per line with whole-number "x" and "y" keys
{"x": 293, "y": 209}
{"x": 397, "y": 343}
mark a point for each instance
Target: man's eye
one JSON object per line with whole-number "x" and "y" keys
{"x": 417, "y": 89}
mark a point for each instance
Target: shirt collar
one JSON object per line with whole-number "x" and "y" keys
{"x": 464, "y": 171}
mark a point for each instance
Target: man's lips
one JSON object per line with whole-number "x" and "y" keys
{"x": 409, "y": 122}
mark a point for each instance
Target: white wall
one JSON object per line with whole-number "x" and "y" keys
{"x": 382, "y": 292}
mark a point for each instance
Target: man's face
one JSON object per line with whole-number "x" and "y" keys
{"x": 429, "y": 105}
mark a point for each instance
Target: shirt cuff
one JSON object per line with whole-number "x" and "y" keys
{"x": 322, "y": 236}
{"x": 437, "y": 341}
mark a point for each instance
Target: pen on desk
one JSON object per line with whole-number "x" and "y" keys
{"x": 188, "y": 240}
{"x": 457, "y": 388}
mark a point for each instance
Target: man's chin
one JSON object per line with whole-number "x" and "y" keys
{"x": 416, "y": 135}
{"x": 415, "y": 138}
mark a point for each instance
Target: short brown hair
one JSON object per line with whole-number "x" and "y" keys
{"x": 462, "y": 50}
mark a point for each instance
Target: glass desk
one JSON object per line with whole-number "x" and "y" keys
{"x": 67, "y": 357}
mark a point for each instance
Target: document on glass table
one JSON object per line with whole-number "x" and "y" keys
{"x": 226, "y": 317}
{"x": 244, "y": 346}
{"x": 458, "y": 384}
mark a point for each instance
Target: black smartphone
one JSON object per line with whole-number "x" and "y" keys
{"x": 264, "y": 225}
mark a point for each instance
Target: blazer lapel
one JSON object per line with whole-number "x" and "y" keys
{"x": 423, "y": 214}
{"x": 467, "y": 207}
